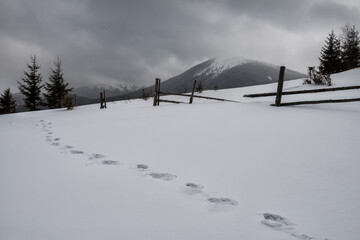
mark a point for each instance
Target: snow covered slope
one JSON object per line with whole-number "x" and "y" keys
{"x": 210, "y": 170}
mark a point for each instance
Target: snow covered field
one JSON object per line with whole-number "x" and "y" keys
{"x": 210, "y": 170}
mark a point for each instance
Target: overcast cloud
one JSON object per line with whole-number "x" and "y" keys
{"x": 133, "y": 41}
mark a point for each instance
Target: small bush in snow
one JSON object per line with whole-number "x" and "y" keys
{"x": 199, "y": 87}
{"x": 317, "y": 77}
{"x": 68, "y": 102}
{"x": 144, "y": 95}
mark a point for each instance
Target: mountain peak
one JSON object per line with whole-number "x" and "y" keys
{"x": 219, "y": 65}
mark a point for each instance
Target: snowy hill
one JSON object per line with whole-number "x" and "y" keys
{"x": 210, "y": 170}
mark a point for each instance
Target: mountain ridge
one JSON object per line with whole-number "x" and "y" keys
{"x": 220, "y": 73}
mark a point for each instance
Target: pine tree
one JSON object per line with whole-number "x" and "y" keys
{"x": 56, "y": 89}
{"x": 7, "y": 102}
{"x": 350, "y": 48}
{"x": 31, "y": 86}
{"x": 330, "y": 59}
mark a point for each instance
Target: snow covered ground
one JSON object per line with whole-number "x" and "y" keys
{"x": 210, "y": 170}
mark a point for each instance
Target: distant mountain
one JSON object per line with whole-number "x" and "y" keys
{"x": 93, "y": 91}
{"x": 219, "y": 73}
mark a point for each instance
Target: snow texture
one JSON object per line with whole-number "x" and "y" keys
{"x": 297, "y": 166}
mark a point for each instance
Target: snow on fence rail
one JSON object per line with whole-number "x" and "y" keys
{"x": 159, "y": 93}
{"x": 279, "y": 93}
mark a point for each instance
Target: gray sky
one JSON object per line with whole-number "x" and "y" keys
{"x": 133, "y": 41}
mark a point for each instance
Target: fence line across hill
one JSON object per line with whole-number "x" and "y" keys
{"x": 280, "y": 92}
{"x": 159, "y": 93}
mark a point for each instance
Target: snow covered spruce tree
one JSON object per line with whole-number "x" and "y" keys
{"x": 350, "y": 48}
{"x": 31, "y": 85}
{"x": 330, "y": 59}
{"x": 56, "y": 89}
{"x": 7, "y": 102}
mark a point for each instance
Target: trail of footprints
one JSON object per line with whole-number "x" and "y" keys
{"x": 93, "y": 158}
{"x": 273, "y": 221}
{"x": 190, "y": 188}
{"x": 96, "y": 158}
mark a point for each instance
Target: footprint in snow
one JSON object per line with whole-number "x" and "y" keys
{"x": 96, "y": 156}
{"x": 221, "y": 204}
{"x": 142, "y": 167}
{"x": 110, "y": 162}
{"x": 224, "y": 201}
{"x": 65, "y": 148}
{"x": 163, "y": 176}
{"x": 76, "y": 152}
{"x": 280, "y": 223}
{"x": 57, "y": 139}
{"x": 193, "y": 188}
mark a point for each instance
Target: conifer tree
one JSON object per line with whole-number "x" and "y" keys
{"x": 31, "y": 85}
{"x": 330, "y": 59}
{"x": 7, "y": 102}
{"x": 350, "y": 48}
{"x": 56, "y": 89}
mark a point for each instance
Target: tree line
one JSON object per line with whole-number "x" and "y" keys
{"x": 56, "y": 93}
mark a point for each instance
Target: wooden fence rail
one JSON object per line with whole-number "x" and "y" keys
{"x": 279, "y": 93}
{"x": 302, "y": 91}
{"x": 320, "y": 101}
{"x": 159, "y": 93}
{"x": 196, "y": 96}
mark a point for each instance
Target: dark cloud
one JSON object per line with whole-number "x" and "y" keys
{"x": 284, "y": 13}
{"x": 132, "y": 42}
{"x": 333, "y": 12}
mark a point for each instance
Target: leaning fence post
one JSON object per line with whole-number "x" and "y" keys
{"x": 280, "y": 86}
{"x": 192, "y": 93}
{"x": 157, "y": 92}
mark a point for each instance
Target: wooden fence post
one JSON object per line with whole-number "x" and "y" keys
{"x": 192, "y": 93}
{"x": 157, "y": 92}
{"x": 104, "y": 100}
{"x": 280, "y": 86}
{"x": 101, "y": 100}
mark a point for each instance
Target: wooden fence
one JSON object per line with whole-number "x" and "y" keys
{"x": 159, "y": 93}
{"x": 102, "y": 100}
{"x": 280, "y": 92}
